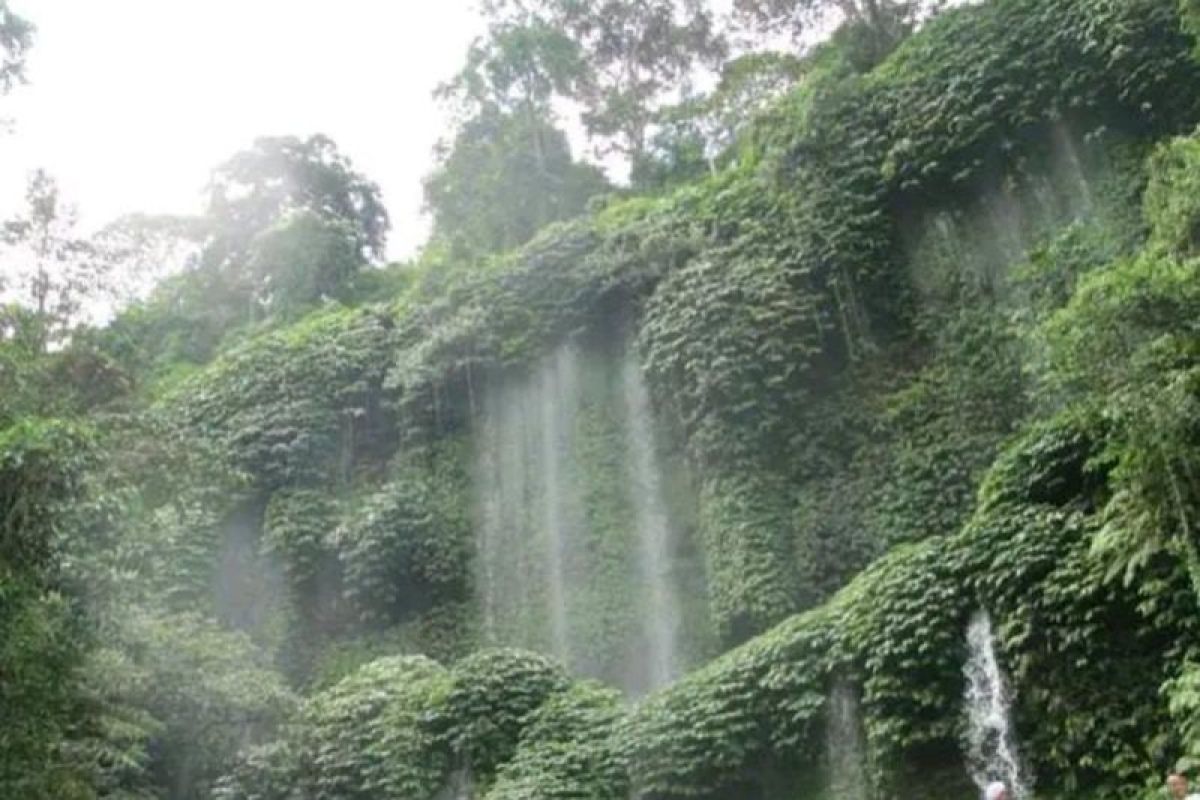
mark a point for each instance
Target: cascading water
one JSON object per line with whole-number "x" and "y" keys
{"x": 248, "y": 588}
{"x": 575, "y": 544}
{"x": 662, "y": 617}
{"x": 458, "y": 787}
{"x": 524, "y": 489}
{"x": 559, "y": 401}
{"x": 1067, "y": 152}
{"x": 992, "y": 753}
{"x": 844, "y": 750}
{"x": 1009, "y": 229}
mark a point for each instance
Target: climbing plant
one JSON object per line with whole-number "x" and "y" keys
{"x": 489, "y": 706}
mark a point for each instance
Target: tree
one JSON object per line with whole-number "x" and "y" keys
{"x": 627, "y": 60}
{"x": 874, "y": 27}
{"x": 506, "y": 175}
{"x": 16, "y": 36}
{"x": 521, "y": 65}
{"x": 301, "y": 259}
{"x": 50, "y": 270}
{"x": 690, "y": 137}
{"x": 515, "y": 71}
{"x": 143, "y": 249}
{"x": 639, "y": 53}
{"x": 258, "y": 187}
{"x": 1128, "y": 335}
{"x": 282, "y": 198}
{"x": 209, "y": 691}
{"x": 509, "y": 170}
{"x": 42, "y": 638}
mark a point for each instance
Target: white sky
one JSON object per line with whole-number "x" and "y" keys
{"x": 130, "y": 103}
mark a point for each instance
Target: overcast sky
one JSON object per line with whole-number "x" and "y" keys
{"x": 130, "y": 103}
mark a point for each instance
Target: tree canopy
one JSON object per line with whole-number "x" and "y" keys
{"x": 621, "y": 62}
{"x": 52, "y": 270}
{"x": 16, "y": 37}
{"x": 258, "y": 187}
{"x": 506, "y": 175}
{"x": 881, "y": 336}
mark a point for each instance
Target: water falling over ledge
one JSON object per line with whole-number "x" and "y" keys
{"x": 558, "y": 401}
{"x": 525, "y": 512}
{"x": 992, "y": 752}
{"x": 845, "y": 751}
{"x": 575, "y": 541}
{"x": 661, "y": 601}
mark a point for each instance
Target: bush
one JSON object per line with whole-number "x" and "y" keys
{"x": 489, "y": 706}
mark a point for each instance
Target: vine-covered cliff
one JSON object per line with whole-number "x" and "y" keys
{"x": 694, "y": 494}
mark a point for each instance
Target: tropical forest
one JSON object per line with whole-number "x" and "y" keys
{"x": 788, "y": 400}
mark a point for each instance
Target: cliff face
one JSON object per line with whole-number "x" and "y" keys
{"x": 926, "y": 348}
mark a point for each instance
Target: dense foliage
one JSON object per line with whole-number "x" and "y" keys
{"x": 40, "y": 627}
{"x": 922, "y": 340}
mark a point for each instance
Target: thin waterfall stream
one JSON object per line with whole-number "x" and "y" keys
{"x": 574, "y": 531}
{"x": 845, "y": 751}
{"x": 661, "y": 600}
{"x": 525, "y": 508}
{"x": 992, "y": 752}
{"x": 559, "y": 399}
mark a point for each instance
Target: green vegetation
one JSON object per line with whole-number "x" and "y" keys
{"x": 921, "y": 337}
{"x": 16, "y": 36}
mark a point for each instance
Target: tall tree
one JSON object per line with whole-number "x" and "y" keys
{"x": 143, "y": 249}
{"x": 520, "y": 65}
{"x": 513, "y": 73}
{"x": 877, "y": 25}
{"x": 507, "y": 174}
{"x": 42, "y": 635}
{"x": 16, "y": 35}
{"x": 284, "y": 189}
{"x": 622, "y": 61}
{"x": 258, "y": 187}
{"x": 301, "y": 259}
{"x": 49, "y": 268}
{"x": 690, "y": 138}
{"x": 643, "y": 55}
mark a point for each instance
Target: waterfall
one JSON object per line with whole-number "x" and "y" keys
{"x": 844, "y": 750}
{"x": 526, "y": 512}
{"x": 249, "y": 589}
{"x": 575, "y": 547}
{"x": 1067, "y": 151}
{"x": 662, "y": 617}
{"x": 992, "y": 753}
{"x": 489, "y": 527}
{"x": 459, "y": 786}
{"x": 1004, "y": 216}
{"x": 502, "y": 474}
{"x": 559, "y": 399}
